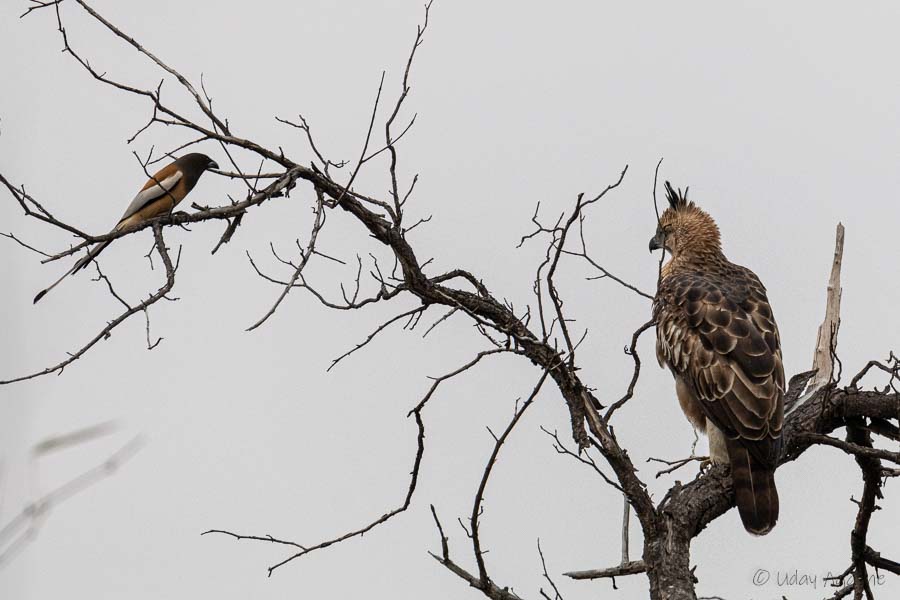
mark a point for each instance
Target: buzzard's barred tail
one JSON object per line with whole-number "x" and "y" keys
{"x": 79, "y": 264}
{"x": 754, "y": 490}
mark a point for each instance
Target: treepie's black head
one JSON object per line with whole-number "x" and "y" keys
{"x": 197, "y": 162}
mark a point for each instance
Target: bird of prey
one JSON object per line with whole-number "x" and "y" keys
{"x": 160, "y": 194}
{"x": 716, "y": 333}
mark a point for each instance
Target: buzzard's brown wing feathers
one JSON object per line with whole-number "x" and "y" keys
{"x": 721, "y": 336}
{"x": 716, "y": 331}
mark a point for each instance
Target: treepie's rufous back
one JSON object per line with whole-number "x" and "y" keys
{"x": 716, "y": 333}
{"x": 160, "y": 195}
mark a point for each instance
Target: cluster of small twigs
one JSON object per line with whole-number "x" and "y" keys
{"x": 551, "y": 345}
{"x": 858, "y": 443}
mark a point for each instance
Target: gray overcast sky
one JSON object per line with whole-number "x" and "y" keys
{"x": 783, "y": 120}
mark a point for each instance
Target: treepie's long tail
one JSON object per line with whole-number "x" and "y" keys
{"x": 79, "y": 264}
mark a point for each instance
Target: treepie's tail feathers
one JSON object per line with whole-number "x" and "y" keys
{"x": 44, "y": 291}
{"x": 79, "y": 264}
{"x": 754, "y": 489}
{"x": 91, "y": 255}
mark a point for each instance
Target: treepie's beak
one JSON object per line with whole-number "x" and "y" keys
{"x": 655, "y": 243}
{"x": 212, "y": 165}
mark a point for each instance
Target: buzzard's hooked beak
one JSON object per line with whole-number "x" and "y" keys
{"x": 655, "y": 243}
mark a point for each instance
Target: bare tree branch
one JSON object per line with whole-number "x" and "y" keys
{"x": 479, "y": 495}
{"x": 827, "y": 335}
{"x": 631, "y": 568}
{"x": 107, "y": 331}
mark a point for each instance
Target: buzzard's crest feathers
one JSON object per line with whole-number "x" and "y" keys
{"x": 676, "y": 199}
